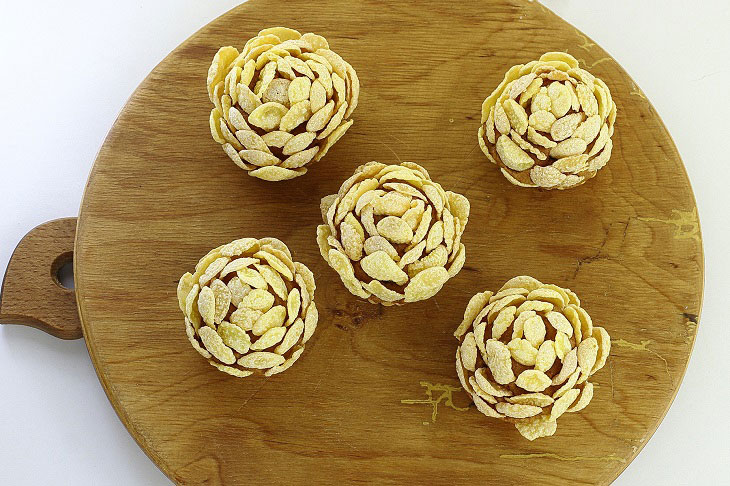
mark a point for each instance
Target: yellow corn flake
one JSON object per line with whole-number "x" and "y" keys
{"x": 534, "y": 305}
{"x": 534, "y": 399}
{"x": 525, "y": 145}
{"x": 566, "y": 148}
{"x": 423, "y": 225}
{"x": 503, "y": 321}
{"x": 512, "y": 155}
{"x": 297, "y": 114}
{"x": 589, "y": 129}
{"x": 217, "y": 71}
{"x": 499, "y": 361}
{"x": 545, "y": 356}
{"x": 469, "y": 352}
{"x": 504, "y": 293}
{"x": 530, "y": 91}
{"x": 271, "y": 337}
{"x": 222, "y": 300}
{"x": 522, "y": 282}
{"x": 300, "y": 159}
{"x": 501, "y": 120}
{"x": 258, "y": 299}
{"x": 517, "y": 116}
{"x": 481, "y": 393}
{"x": 272, "y": 318}
{"x": 261, "y": 360}
{"x": 570, "y": 363}
{"x": 391, "y": 204}
{"x": 245, "y": 318}
{"x": 310, "y": 322}
{"x": 426, "y": 284}
{"x": 536, "y": 427}
{"x": 562, "y": 345}
{"x": 560, "y": 99}
{"x": 342, "y": 265}
{"x": 277, "y": 138}
{"x": 517, "y": 411}
{"x": 518, "y": 326}
{"x": 214, "y": 344}
{"x": 273, "y": 173}
{"x": 206, "y": 305}
{"x": 394, "y": 229}
{"x": 184, "y": 286}
{"x": 476, "y": 303}
{"x": 586, "y": 323}
{"x": 335, "y": 124}
{"x": 568, "y": 385}
{"x": 562, "y": 404}
{"x": 321, "y": 117}
{"x": 571, "y": 313}
{"x": 588, "y": 101}
{"x": 231, "y": 370}
{"x": 239, "y": 247}
{"x": 584, "y": 399}
{"x": 274, "y": 280}
{"x": 518, "y": 86}
{"x": 412, "y": 255}
{"x": 565, "y": 127}
{"x": 259, "y": 158}
{"x": 190, "y": 331}
{"x": 237, "y": 264}
{"x": 533, "y": 381}
{"x": 252, "y": 277}
{"x": 534, "y": 331}
{"x": 510, "y": 300}
{"x": 460, "y": 374}
{"x": 268, "y": 116}
{"x": 380, "y": 266}
{"x": 523, "y": 352}
{"x": 378, "y": 243}
{"x": 484, "y": 408}
{"x": 234, "y": 337}
{"x": 587, "y": 354}
{"x": 277, "y": 91}
{"x": 293, "y": 305}
{"x": 298, "y": 143}
{"x": 604, "y": 347}
{"x": 292, "y": 336}
{"x": 215, "y": 267}
{"x": 541, "y": 101}
{"x": 493, "y": 389}
{"x": 559, "y": 322}
{"x": 382, "y": 292}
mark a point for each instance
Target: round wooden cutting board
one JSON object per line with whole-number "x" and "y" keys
{"x": 375, "y": 397}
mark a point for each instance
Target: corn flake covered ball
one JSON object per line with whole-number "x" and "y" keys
{"x": 281, "y": 103}
{"x": 248, "y": 307}
{"x": 526, "y": 353}
{"x": 392, "y": 234}
{"x": 548, "y": 124}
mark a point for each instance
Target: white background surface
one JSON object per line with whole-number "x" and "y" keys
{"x": 67, "y": 68}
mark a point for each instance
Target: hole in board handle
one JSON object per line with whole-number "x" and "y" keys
{"x": 62, "y": 271}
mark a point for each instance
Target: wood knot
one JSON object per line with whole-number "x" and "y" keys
{"x": 354, "y": 315}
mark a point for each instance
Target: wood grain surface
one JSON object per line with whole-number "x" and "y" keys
{"x": 375, "y": 398}
{"x": 32, "y": 294}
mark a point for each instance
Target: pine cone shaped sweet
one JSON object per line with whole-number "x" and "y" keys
{"x": 248, "y": 307}
{"x": 392, "y": 234}
{"x": 281, "y": 103}
{"x": 526, "y": 353}
{"x": 548, "y": 124}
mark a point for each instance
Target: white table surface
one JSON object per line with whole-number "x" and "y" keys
{"x": 67, "y": 68}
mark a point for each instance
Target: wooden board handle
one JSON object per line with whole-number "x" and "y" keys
{"x": 31, "y": 293}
